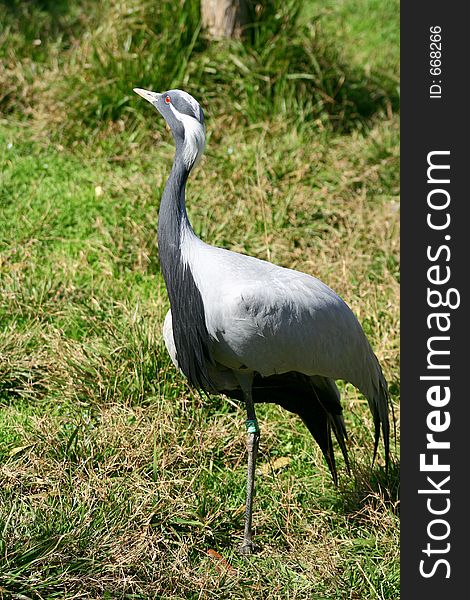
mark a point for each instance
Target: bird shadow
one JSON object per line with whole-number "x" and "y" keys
{"x": 55, "y": 8}
{"x": 370, "y": 488}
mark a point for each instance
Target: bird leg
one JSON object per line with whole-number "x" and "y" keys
{"x": 252, "y": 443}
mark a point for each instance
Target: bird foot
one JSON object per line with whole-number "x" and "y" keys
{"x": 248, "y": 548}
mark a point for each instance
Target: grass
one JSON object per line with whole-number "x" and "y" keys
{"x": 115, "y": 477}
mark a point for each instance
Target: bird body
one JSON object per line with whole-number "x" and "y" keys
{"x": 251, "y": 329}
{"x": 268, "y": 319}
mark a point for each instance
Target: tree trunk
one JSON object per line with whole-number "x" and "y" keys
{"x": 224, "y": 18}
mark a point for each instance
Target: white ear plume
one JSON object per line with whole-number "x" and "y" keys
{"x": 194, "y": 138}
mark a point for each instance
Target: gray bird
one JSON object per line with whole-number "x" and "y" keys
{"x": 253, "y": 330}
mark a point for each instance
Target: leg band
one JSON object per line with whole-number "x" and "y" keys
{"x": 252, "y": 426}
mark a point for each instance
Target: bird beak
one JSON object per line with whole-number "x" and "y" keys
{"x": 151, "y": 97}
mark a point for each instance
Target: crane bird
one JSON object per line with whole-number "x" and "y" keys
{"x": 253, "y": 330}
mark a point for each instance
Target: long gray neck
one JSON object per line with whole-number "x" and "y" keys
{"x": 190, "y": 334}
{"x": 172, "y": 216}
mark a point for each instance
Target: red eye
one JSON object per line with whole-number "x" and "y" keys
{"x": 167, "y": 99}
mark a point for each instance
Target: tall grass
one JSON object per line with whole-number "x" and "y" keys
{"x": 89, "y": 61}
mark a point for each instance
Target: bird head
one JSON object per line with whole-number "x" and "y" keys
{"x": 185, "y": 118}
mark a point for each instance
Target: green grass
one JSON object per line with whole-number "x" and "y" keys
{"x": 115, "y": 477}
